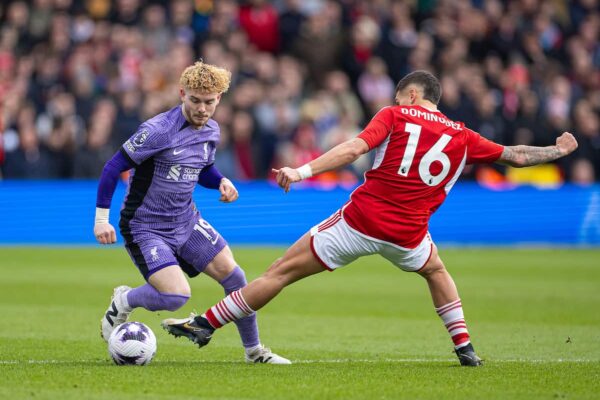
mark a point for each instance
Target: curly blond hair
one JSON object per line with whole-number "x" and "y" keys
{"x": 206, "y": 77}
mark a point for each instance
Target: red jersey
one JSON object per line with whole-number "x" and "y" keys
{"x": 419, "y": 156}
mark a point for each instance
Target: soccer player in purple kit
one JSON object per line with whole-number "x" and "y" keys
{"x": 164, "y": 233}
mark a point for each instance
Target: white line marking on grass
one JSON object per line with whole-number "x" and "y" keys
{"x": 435, "y": 360}
{"x": 328, "y": 361}
{"x": 12, "y": 362}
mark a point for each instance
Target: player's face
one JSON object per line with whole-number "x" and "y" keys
{"x": 198, "y": 107}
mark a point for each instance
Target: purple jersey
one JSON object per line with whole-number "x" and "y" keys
{"x": 169, "y": 154}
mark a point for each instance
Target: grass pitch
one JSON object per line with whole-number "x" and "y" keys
{"x": 367, "y": 331}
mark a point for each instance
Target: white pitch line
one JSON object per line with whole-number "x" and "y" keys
{"x": 436, "y": 360}
{"x": 328, "y": 361}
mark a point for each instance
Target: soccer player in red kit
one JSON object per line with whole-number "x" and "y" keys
{"x": 420, "y": 154}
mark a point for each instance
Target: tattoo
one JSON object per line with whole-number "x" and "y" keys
{"x": 525, "y": 156}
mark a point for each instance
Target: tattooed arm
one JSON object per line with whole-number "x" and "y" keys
{"x": 525, "y": 156}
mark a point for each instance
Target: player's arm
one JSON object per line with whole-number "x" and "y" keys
{"x": 525, "y": 156}
{"x": 376, "y": 131}
{"x": 103, "y": 230}
{"x": 211, "y": 178}
{"x": 339, "y": 156}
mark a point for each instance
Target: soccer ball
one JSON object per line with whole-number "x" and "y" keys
{"x": 132, "y": 343}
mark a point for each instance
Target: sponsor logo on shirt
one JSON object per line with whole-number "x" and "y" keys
{"x": 177, "y": 172}
{"x": 174, "y": 172}
{"x": 190, "y": 174}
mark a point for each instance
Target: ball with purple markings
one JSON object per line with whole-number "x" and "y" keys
{"x": 132, "y": 343}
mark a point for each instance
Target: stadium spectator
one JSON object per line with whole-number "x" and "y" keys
{"x": 319, "y": 46}
{"x": 290, "y": 22}
{"x": 398, "y": 39}
{"x": 374, "y": 85}
{"x": 242, "y": 131}
{"x": 26, "y": 157}
{"x": 91, "y": 157}
{"x": 364, "y": 39}
{"x": 260, "y": 21}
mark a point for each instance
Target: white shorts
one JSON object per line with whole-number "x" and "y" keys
{"x": 335, "y": 244}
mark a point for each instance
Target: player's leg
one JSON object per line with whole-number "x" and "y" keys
{"x": 205, "y": 250}
{"x": 225, "y": 270}
{"x": 329, "y": 245}
{"x": 231, "y": 277}
{"x": 167, "y": 288}
{"x": 449, "y": 307}
{"x": 297, "y": 263}
{"x": 441, "y": 285}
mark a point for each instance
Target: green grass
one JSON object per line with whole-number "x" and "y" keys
{"x": 365, "y": 332}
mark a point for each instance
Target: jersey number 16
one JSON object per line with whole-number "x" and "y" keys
{"x": 433, "y": 154}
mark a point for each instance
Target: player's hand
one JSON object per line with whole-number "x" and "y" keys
{"x": 105, "y": 233}
{"x": 286, "y": 176}
{"x": 566, "y": 143}
{"x": 228, "y": 192}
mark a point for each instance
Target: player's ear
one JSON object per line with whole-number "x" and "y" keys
{"x": 413, "y": 95}
{"x": 181, "y": 93}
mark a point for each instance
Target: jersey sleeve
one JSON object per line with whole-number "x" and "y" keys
{"x": 146, "y": 142}
{"x": 378, "y": 128}
{"x": 481, "y": 150}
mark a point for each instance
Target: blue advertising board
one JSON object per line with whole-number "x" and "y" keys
{"x": 62, "y": 213}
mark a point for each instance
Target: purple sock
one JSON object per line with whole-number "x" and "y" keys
{"x": 148, "y": 297}
{"x": 247, "y": 326}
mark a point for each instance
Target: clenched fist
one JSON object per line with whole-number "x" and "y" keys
{"x": 566, "y": 143}
{"x": 105, "y": 233}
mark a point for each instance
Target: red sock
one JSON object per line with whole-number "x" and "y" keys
{"x": 231, "y": 308}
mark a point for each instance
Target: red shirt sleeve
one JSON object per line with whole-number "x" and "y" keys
{"x": 481, "y": 150}
{"x": 378, "y": 128}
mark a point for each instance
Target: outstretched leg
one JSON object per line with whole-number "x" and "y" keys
{"x": 297, "y": 263}
{"x": 231, "y": 276}
{"x": 449, "y": 307}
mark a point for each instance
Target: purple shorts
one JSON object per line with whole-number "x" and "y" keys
{"x": 192, "y": 247}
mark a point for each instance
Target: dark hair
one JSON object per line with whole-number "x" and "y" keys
{"x": 432, "y": 90}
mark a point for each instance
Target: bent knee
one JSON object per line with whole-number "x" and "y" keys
{"x": 183, "y": 290}
{"x": 169, "y": 301}
{"x": 433, "y": 266}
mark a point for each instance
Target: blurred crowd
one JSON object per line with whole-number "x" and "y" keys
{"x": 78, "y": 77}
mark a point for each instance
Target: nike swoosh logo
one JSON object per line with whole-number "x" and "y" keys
{"x": 175, "y": 152}
{"x": 192, "y": 328}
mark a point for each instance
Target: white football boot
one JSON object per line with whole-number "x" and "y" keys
{"x": 117, "y": 313}
{"x": 263, "y": 355}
